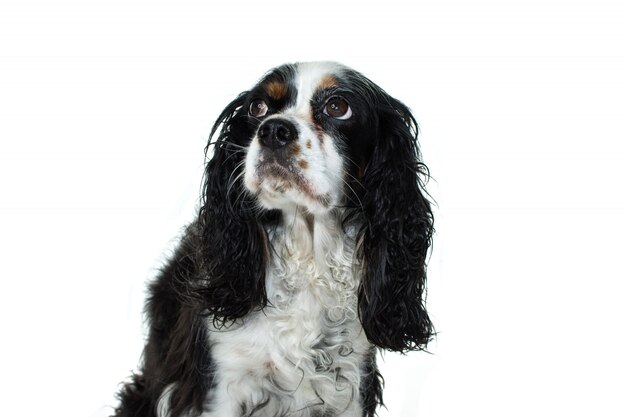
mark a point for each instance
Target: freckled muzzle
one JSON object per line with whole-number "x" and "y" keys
{"x": 279, "y": 166}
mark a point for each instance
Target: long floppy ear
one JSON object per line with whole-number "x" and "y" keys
{"x": 396, "y": 235}
{"x": 233, "y": 242}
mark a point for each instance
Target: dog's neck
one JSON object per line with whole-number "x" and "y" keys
{"x": 304, "y": 235}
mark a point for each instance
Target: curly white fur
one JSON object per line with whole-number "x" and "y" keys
{"x": 308, "y": 343}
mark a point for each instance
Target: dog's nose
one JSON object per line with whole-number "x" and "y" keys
{"x": 276, "y": 133}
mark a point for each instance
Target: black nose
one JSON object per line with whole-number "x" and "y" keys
{"x": 276, "y": 133}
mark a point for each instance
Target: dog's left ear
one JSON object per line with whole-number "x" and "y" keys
{"x": 396, "y": 235}
{"x": 233, "y": 248}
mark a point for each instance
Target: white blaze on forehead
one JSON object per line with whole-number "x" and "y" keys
{"x": 309, "y": 76}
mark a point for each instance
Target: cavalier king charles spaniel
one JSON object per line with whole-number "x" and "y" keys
{"x": 307, "y": 255}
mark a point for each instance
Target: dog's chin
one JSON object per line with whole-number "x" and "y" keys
{"x": 278, "y": 188}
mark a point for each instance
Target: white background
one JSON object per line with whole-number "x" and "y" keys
{"x": 105, "y": 107}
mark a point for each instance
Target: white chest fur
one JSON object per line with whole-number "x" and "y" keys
{"x": 302, "y": 355}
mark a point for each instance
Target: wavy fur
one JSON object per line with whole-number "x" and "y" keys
{"x": 396, "y": 235}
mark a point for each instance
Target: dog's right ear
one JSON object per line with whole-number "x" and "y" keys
{"x": 233, "y": 242}
{"x": 396, "y": 235}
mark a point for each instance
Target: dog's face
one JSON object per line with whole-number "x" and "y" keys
{"x": 313, "y": 133}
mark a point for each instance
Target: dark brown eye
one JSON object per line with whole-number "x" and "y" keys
{"x": 338, "y": 108}
{"x": 258, "y": 108}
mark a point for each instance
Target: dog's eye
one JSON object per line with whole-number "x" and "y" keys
{"x": 338, "y": 108}
{"x": 258, "y": 108}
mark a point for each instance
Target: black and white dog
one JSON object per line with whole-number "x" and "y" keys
{"x": 308, "y": 254}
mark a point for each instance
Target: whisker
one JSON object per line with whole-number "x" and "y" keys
{"x": 347, "y": 158}
{"x": 234, "y": 153}
{"x": 231, "y": 182}
{"x": 356, "y": 180}
{"x": 236, "y": 145}
{"x": 242, "y": 190}
{"x": 350, "y": 187}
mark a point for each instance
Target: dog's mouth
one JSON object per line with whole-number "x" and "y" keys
{"x": 277, "y": 182}
{"x": 279, "y": 177}
{"x": 272, "y": 167}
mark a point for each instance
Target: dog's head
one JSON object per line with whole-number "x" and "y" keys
{"x": 315, "y": 130}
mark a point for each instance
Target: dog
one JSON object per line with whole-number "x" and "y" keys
{"x": 307, "y": 255}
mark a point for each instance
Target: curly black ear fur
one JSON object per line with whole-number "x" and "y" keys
{"x": 234, "y": 243}
{"x": 396, "y": 235}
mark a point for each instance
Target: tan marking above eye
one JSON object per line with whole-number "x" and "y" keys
{"x": 328, "y": 81}
{"x": 303, "y": 164}
{"x": 276, "y": 89}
